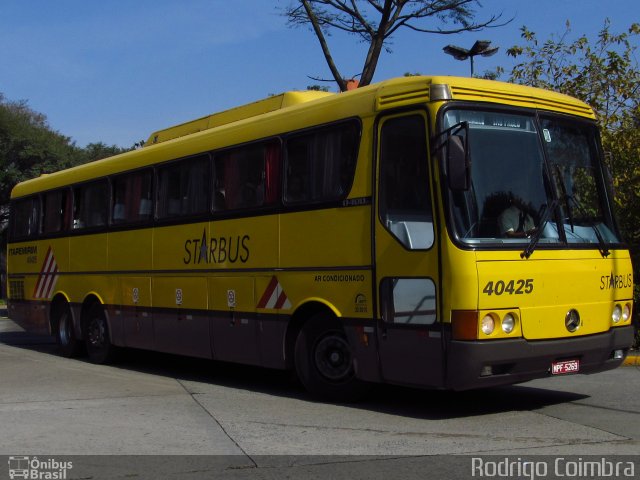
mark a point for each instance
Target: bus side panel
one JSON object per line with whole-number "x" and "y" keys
{"x": 37, "y": 273}
{"x": 180, "y": 319}
{"x": 131, "y": 319}
{"x": 333, "y": 249}
{"x": 88, "y": 264}
{"x": 136, "y": 317}
{"x": 234, "y": 326}
{"x": 88, "y": 253}
{"x": 336, "y": 237}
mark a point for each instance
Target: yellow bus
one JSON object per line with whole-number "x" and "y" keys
{"x": 435, "y": 232}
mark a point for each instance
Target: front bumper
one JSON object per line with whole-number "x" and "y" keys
{"x": 519, "y": 360}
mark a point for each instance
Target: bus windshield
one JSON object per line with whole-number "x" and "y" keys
{"x": 521, "y": 167}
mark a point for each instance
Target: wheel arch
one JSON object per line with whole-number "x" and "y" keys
{"x": 58, "y": 301}
{"x": 302, "y": 314}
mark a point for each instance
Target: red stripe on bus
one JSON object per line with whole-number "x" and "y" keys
{"x": 281, "y": 299}
{"x": 268, "y": 292}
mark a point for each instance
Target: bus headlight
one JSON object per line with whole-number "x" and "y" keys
{"x": 617, "y": 314}
{"x": 626, "y": 312}
{"x": 488, "y": 324}
{"x": 508, "y": 323}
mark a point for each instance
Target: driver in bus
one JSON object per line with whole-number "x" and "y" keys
{"x": 515, "y": 222}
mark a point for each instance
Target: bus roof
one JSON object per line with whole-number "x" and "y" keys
{"x": 174, "y": 142}
{"x": 270, "y": 104}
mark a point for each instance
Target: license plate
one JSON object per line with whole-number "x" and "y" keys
{"x": 566, "y": 366}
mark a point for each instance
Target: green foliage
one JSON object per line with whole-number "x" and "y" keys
{"x": 29, "y": 148}
{"x": 97, "y": 151}
{"x": 604, "y": 73}
{"x": 318, "y": 88}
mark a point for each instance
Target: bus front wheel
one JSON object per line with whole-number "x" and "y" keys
{"x": 97, "y": 339}
{"x": 324, "y": 361}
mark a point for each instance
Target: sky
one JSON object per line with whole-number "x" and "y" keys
{"x": 113, "y": 71}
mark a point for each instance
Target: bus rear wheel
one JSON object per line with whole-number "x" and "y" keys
{"x": 324, "y": 361}
{"x": 97, "y": 339}
{"x": 68, "y": 345}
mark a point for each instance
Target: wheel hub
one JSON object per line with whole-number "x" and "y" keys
{"x": 333, "y": 357}
{"x": 96, "y": 333}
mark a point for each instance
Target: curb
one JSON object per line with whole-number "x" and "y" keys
{"x": 632, "y": 360}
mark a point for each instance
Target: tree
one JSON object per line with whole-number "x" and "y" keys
{"x": 604, "y": 73}
{"x": 376, "y": 21}
{"x": 28, "y": 148}
{"x": 100, "y": 150}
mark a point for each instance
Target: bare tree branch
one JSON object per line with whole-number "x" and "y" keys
{"x": 376, "y": 21}
{"x": 323, "y": 44}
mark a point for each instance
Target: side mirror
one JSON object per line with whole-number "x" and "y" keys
{"x": 458, "y": 164}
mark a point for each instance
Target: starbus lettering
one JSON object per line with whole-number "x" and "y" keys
{"x": 198, "y": 251}
{"x": 612, "y": 282}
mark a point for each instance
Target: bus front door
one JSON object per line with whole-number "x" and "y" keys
{"x": 406, "y": 262}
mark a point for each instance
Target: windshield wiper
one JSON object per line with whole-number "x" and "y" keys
{"x": 565, "y": 196}
{"x": 544, "y": 218}
{"x": 604, "y": 251}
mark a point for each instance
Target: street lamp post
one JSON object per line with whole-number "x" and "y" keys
{"x": 481, "y": 47}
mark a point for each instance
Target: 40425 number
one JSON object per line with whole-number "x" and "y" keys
{"x": 511, "y": 287}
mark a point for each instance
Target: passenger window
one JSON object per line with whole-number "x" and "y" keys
{"x": 247, "y": 177}
{"x": 183, "y": 188}
{"x": 25, "y": 217}
{"x": 320, "y": 165}
{"x": 56, "y": 211}
{"x": 132, "y": 201}
{"x": 404, "y": 194}
{"x": 91, "y": 205}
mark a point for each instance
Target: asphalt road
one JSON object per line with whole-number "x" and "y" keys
{"x": 260, "y": 422}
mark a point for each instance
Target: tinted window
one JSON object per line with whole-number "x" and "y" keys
{"x": 183, "y": 188}
{"x": 404, "y": 201}
{"x": 320, "y": 164}
{"x": 132, "y": 201}
{"x": 572, "y": 152}
{"x": 25, "y": 215}
{"x": 91, "y": 205}
{"x": 247, "y": 177}
{"x": 409, "y": 300}
{"x": 56, "y": 211}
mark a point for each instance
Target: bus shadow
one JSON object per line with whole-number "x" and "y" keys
{"x": 386, "y": 399}
{"x": 17, "y": 338}
{"x": 440, "y": 405}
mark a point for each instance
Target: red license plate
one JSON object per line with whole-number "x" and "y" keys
{"x": 566, "y": 366}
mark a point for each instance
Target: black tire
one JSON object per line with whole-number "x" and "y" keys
{"x": 97, "y": 337}
{"x": 324, "y": 361}
{"x": 68, "y": 344}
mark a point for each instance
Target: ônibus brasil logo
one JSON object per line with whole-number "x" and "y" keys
{"x": 37, "y": 469}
